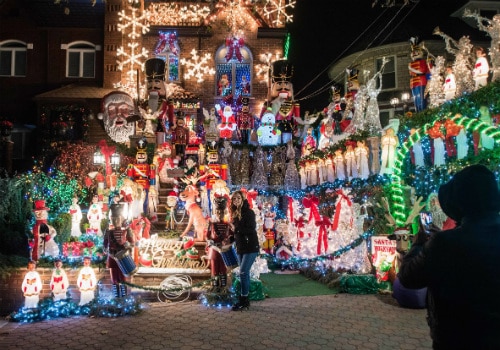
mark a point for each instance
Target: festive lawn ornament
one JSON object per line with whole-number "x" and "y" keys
{"x": 301, "y": 131}
{"x": 59, "y": 282}
{"x": 269, "y": 233}
{"x": 196, "y": 219}
{"x": 362, "y": 153}
{"x": 461, "y": 66}
{"x": 119, "y": 241}
{"x": 339, "y": 164}
{"x": 283, "y": 248}
{"x": 372, "y": 115}
{"x": 211, "y": 129}
{"x": 245, "y": 120}
{"x": 283, "y": 104}
{"x": 350, "y": 95}
{"x": 140, "y": 227}
{"x": 292, "y": 180}
{"x": 119, "y": 122}
{"x": 228, "y": 122}
{"x": 308, "y": 144}
{"x": 268, "y": 134}
{"x": 171, "y": 204}
{"x": 350, "y": 160}
{"x": 450, "y": 84}
{"x": 435, "y": 86}
{"x": 43, "y": 233}
{"x": 180, "y": 138}
{"x": 388, "y": 142}
{"x": 95, "y": 215}
{"x": 259, "y": 178}
{"x": 481, "y": 68}
{"x": 86, "y": 282}
{"x": 417, "y": 152}
{"x": 76, "y": 217}
{"x": 438, "y": 149}
{"x": 31, "y": 286}
{"x": 419, "y": 69}
{"x": 143, "y": 174}
{"x": 492, "y": 28}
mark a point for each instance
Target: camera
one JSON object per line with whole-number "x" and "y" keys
{"x": 426, "y": 221}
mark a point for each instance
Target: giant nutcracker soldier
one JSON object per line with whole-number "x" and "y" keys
{"x": 283, "y": 105}
{"x": 141, "y": 172}
{"x": 419, "y": 72}
{"x": 157, "y": 97}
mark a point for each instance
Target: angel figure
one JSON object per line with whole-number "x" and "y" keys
{"x": 148, "y": 116}
{"x": 305, "y": 123}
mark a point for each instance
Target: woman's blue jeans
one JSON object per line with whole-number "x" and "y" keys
{"x": 246, "y": 262}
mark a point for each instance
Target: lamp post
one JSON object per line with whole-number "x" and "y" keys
{"x": 98, "y": 157}
{"x": 394, "y": 103}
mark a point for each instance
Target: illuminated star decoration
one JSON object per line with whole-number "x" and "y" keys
{"x": 197, "y": 66}
{"x": 275, "y": 10}
{"x": 132, "y": 56}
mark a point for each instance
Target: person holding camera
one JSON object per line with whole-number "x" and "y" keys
{"x": 460, "y": 267}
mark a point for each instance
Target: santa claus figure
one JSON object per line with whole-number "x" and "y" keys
{"x": 228, "y": 122}
{"x": 43, "y": 233}
{"x": 118, "y": 109}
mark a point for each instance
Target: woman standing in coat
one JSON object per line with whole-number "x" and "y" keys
{"x": 247, "y": 243}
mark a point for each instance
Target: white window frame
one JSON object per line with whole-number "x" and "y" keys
{"x": 23, "y": 47}
{"x": 89, "y": 48}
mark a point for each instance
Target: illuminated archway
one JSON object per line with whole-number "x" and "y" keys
{"x": 397, "y": 197}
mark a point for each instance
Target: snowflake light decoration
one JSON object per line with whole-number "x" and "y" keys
{"x": 132, "y": 56}
{"x": 275, "y": 10}
{"x": 262, "y": 69}
{"x": 197, "y": 66}
{"x": 137, "y": 24}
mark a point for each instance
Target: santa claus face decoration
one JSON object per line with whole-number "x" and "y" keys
{"x": 118, "y": 106}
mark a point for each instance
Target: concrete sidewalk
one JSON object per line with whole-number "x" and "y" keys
{"x": 342, "y": 321}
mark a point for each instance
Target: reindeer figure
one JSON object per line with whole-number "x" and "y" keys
{"x": 196, "y": 218}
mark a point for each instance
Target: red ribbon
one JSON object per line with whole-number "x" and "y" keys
{"x": 290, "y": 207}
{"x": 312, "y": 203}
{"x": 107, "y": 151}
{"x": 233, "y": 48}
{"x": 127, "y": 197}
{"x": 338, "y": 208}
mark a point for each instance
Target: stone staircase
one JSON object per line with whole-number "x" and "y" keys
{"x": 96, "y": 131}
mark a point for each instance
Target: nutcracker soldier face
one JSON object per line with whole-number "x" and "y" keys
{"x": 141, "y": 155}
{"x": 282, "y": 73}
{"x": 416, "y": 51}
{"x": 155, "y": 76}
{"x": 118, "y": 106}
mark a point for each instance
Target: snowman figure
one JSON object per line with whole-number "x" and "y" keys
{"x": 268, "y": 134}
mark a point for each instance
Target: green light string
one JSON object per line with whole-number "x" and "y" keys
{"x": 471, "y": 124}
{"x": 286, "y": 46}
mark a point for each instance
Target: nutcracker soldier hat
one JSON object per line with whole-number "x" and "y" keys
{"x": 40, "y": 205}
{"x": 282, "y": 70}
{"x": 155, "y": 69}
{"x": 142, "y": 145}
{"x": 352, "y": 73}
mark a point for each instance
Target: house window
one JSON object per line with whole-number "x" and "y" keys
{"x": 389, "y": 73}
{"x": 13, "y": 59}
{"x": 80, "y": 60}
{"x": 233, "y": 71}
{"x": 167, "y": 48}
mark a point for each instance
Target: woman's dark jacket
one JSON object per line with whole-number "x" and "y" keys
{"x": 461, "y": 267}
{"x": 245, "y": 233}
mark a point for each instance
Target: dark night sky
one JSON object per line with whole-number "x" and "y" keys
{"x": 325, "y": 30}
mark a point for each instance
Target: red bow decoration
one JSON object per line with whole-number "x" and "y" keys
{"x": 251, "y": 196}
{"x": 233, "y": 48}
{"x": 167, "y": 38}
{"x": 322, "y": 234}
{"x": 127, "y": 197}
{"x": 290, "y": 207}
{"x": 107, "y": 151}
{"x": 312, "y": 203}
{"x": 338, "y": 207}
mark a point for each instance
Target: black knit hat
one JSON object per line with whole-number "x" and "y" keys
{"x": 471, "y": 192}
